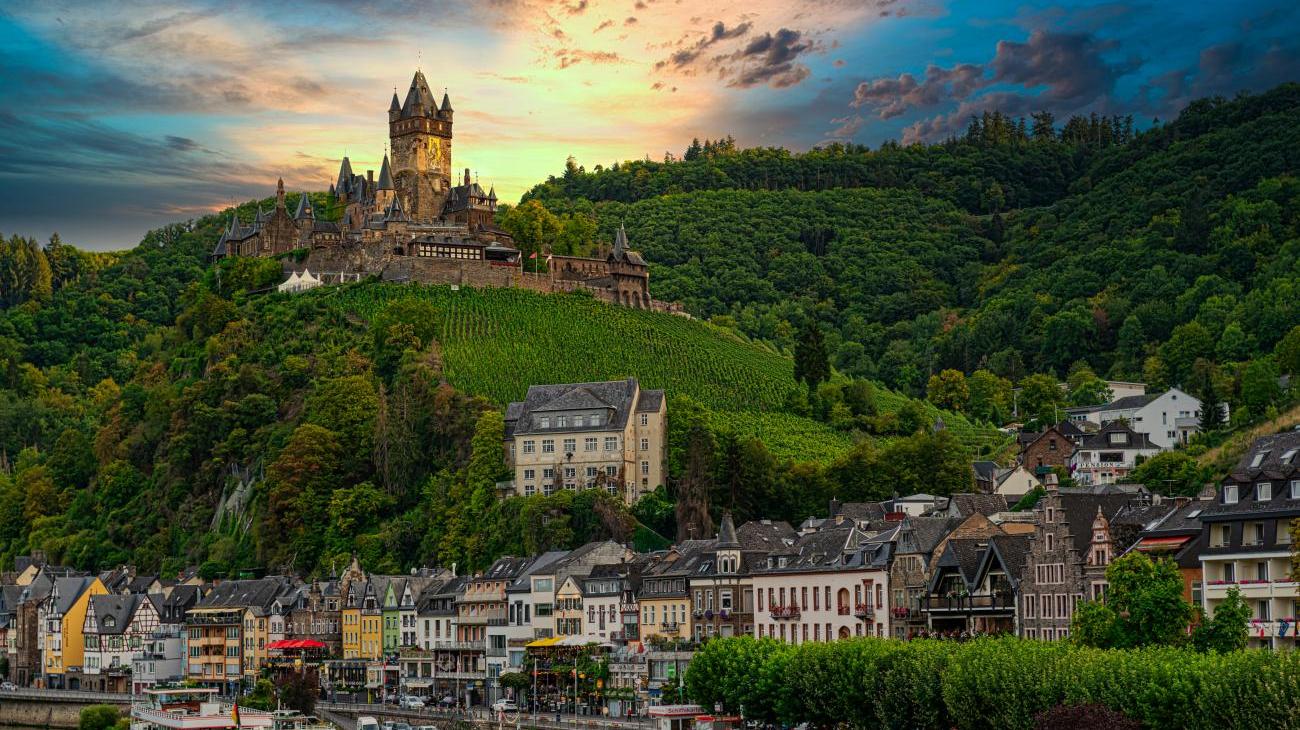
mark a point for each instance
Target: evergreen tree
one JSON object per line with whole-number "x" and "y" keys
{"x": 811, "y": 363}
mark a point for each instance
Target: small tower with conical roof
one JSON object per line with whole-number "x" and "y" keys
{"x": 728, "y": 550}
{"x": 385, "y": 191}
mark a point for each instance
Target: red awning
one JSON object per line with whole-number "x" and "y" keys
{"x": 1163, "y": 543}
{"x": 296, "y": 644}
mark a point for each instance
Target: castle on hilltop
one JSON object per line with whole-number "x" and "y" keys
{"x": 412, "y": 224}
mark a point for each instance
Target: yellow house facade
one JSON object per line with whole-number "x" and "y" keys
{"x": 63, "y": 641}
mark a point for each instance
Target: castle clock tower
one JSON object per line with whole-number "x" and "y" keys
{"x": 419, "y": 133}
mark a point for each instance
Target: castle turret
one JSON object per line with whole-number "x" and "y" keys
{"x": 446, "y": 106}
{"x": 304, "y": 211}
{"x": 420, "y": 144}
{"x": 344, "y": 184}
{"x": 384, "y": 189}
{"x": 279, "y": 194}
{"x": 395, "y": 108}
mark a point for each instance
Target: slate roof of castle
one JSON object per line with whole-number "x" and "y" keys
{"x": 968, "y": 503}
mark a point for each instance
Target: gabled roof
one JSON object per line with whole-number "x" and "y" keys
{"x": 1100, "y": 441}
{"x": 1009, "y": 551}
{"x": 113, "y": 612}
{"x": 258, "y": 593}
{"x": 967, "y": 504}
{"x": 985, "y": 470}
{"x": 68, "y": 590}
{"x": 927, "y": 532}
{"x": 1129, "y": 402}
{"x": 766, "y": 535}
{"x": 617, "y": 395}
{"x": 304, "y": 208}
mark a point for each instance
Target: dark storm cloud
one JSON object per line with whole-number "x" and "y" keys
{"x": 1222, "y": 70}
{"x": 1070, "y": 65}
{"x": 719, "y": 32}
{"x": 898, "y": 95}
{"x": 772, "y": 59}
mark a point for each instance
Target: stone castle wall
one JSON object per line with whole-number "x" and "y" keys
{"x": 349, "y": 260}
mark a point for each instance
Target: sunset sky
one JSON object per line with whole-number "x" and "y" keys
{"x": 116, "y": 117}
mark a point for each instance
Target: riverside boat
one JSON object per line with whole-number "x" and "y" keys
{"x": 194, "y": 708}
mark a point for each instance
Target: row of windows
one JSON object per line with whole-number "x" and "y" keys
{"x": 1049, "y": 573}
{"x": 821, "y": 596}
{"x": 777, "y": 631}
{"x": 1263, "y": 492}
{"x": 1051, "y": 605}
{"x": 571, "y": 445}
{"x": 448, "y": 252}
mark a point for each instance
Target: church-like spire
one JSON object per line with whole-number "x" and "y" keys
{"x": 396, "y": 106}
{"x": 492, "y": 193}
{"x": 385, "y": 176}
{"x": 620, "y": 242}
{"x": 419, "y": 99}
{"x": 345, "y": 176}
{"x": 304, "y": 208}
{"x": 446, "y": 103}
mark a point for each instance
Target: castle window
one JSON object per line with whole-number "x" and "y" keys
{"x": 548, "y": 446}
{"x": 530, "y": 447}
{"x": 589, "y": 443}
{"x": 611, "y": 443}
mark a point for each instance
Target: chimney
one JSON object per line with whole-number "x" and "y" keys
{"x": 1050, "y": 481}
{"x": 370, "y": 177}
{"x": 835, "y": 507}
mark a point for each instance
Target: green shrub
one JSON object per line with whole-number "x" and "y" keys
{"x": 98, "y": 717}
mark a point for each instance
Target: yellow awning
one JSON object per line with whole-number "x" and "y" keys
{"x": 552, "y": 641}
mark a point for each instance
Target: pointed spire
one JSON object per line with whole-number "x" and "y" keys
{"x": 385, "y": 176}
{"x": 345, "y": 176}
{"x": 620, "y": 242}
{"x": 304, "y": 208}
{"x": 396, "y": 106}
{"x": 419, "y": 99}
{"x": 727, "y": 533}
{"x": 492, "y": 193}
{"x": 279, "y": 193}
{"x": 446, "y": 101}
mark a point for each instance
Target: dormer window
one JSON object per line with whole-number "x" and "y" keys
{"x": 1263, "y": 492}
{"x": 544, "y": 422}
{"x": 1118, "y": 438}
{"x": 1259, "y": 459}
{"x": 1288, "y": 456}
{"x": 1295, "y": 489}
{"x": 1230, "y": 494}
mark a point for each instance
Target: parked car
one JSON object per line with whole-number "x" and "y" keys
{"x": 411, "y": 702}
{"x": 447, "y": 701}
{"x": 426, "y": 727}
{"x": 504, "y": 705}
{"x": 8, "y": 686}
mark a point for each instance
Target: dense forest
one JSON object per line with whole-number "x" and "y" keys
{"x": 1168, "y": 255}
{"x": 158, "y": 410}
{"x": 864, "y": 320}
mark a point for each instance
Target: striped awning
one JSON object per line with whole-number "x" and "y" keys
{"x": 1172, "y": 542}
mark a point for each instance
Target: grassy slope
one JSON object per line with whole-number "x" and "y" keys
{"x": 497, "y": 342}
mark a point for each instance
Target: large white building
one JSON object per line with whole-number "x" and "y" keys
{"x": 830, "y": 584}
{"x": 607, "y": 435}
{"x": 1168, "y": 419}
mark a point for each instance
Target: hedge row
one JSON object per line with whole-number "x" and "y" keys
{"x": 992, "y": 684}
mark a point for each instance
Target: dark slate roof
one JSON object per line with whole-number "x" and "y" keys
{"x": 824, "y": 549}
{"x": 1069, "y": 429}
{"x": 649, "y": 401}
{"x": 727, "y": 533}
{"x": 1183, "y": 519}
{"x": 385, "y": 176}
{"x": 69, "y": 590}
{"x": 507, "y": 567}
{"x": 1266, "y": 455}
{"x": 304, "y": 208}
{"x": 540, "y": 565}
{"x": 1129, "y": 401}
{"x": 616, "y": 396}
{"x": 927, "y": 532}
{"x": 419, "y": 99}
{"x": 1100, "y": 441}
{"x": 1081, "y": 509}
{"x": 118, "y": 608}
{"x": 141, "y": 583}
{"x": 766, "y": 535}
{"x": 963, "y": 554}
{"x": 1013, "y": 552}
{"x": 863, "y": 511}
{"x": 968, "y": 504}
{"x": 257, "y": 593}
{"x": 985, "y": 470}
{"x": 180, "y": 600}
{"x": 446, "y": 102}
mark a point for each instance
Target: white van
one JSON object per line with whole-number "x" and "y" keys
{"x": 367, "y": 723}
